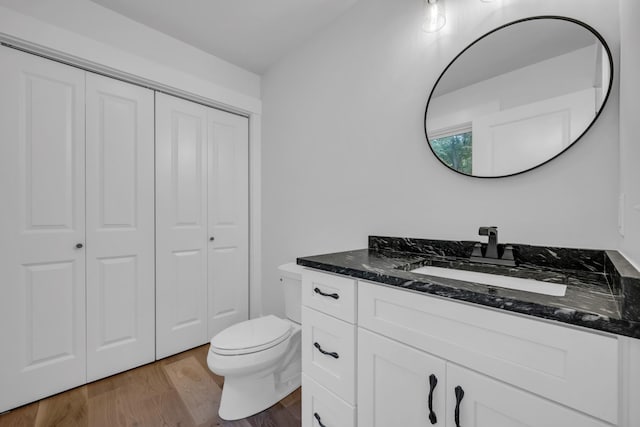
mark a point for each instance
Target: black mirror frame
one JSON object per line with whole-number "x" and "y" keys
{"x": 604, "y": 102}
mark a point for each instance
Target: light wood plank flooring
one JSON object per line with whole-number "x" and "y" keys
{"x": 179, "y": 391}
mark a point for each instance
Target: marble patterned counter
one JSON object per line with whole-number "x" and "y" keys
{"x": 603, "y": 288}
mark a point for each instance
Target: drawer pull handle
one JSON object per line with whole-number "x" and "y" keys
{"x": 459, "y": 395}
{"x": 328, "y": 353}
{"x": 433, "y": 380}
{"x": 317, "y": 417}
{"x": 318, "y": 291}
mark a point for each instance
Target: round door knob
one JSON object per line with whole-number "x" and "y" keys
{"x": 79, "y": 246}
{"x": 211, "y": 239}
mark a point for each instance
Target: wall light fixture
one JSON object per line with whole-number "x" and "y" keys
{"x": 434, "y": 16}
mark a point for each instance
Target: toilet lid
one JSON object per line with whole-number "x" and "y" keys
{"x": 251, "y": 336}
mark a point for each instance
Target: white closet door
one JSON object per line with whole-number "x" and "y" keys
{"x": 120, "y": 226}
{"x": 181, "y": 225}
{"x": 42, "y": 272}
{"x": 228, "y": 220}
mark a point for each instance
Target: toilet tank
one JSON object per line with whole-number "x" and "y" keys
{"x": 291, "y": 279}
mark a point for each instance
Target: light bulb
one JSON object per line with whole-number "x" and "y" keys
{"x": 434, "y": 16}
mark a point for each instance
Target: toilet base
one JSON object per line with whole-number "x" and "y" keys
{"x": 246, "y": 396}
{"x": 254, "y": 382}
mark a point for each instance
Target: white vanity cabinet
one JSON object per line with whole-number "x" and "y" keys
{"x": 510, "y": 370}
{"x": 394, "y": 383}
{"x": 572, "y": 367}
{"x": 328, "y": 350}
{"x": 490, "y": 403}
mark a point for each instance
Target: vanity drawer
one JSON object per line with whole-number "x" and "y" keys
{"x": 318, "y": 402}
{"x": 553, "y": 361}
{"x": 328, "y": 352}
{"x": 330, "y": 294}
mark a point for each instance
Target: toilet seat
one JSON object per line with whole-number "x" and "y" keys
{"x": 251, "y": 336}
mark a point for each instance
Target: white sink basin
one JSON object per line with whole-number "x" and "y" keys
{"x": 528, "y": 285}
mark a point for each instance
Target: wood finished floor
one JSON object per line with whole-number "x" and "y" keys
{"x": 179, "y": 391}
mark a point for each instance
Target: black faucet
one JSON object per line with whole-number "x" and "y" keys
{"x": 492, "y": 246}
{"x": 491, "y": 255}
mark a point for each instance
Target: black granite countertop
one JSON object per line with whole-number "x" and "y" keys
{"x": 603, "y": 288}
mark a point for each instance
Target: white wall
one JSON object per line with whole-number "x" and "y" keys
{"x": 85, "y": 29}
{"x": 629, "y": 137}
{"x": 344, "y": 152}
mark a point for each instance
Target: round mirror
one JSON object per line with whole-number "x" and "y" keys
{"x": 518, "y": 96}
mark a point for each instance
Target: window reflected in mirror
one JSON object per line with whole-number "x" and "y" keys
{"x": 455, "y": 151}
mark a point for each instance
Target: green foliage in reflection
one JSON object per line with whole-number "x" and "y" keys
{"x": 455, "y": 151}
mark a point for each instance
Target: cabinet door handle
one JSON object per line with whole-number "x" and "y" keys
{"x": 328, "y": 353}
{"x": 317, "y": 417}
{"x": 318, "y": 291}
{"x": 459, "y": 395}
{"x": 79, "y": 245}
{"x": 433, "y": 380}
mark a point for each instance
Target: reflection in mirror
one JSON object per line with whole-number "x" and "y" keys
{"x": 518, "y": 96}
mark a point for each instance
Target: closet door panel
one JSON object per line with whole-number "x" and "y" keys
{"x": 181, "y": 225}
{"x": 228, "y": 220}
{"x": 42, "y": 297}
{"x": 120, "y": 226}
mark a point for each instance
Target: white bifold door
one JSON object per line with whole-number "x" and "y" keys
{"x": 42, "y": 233}
{"x": 202, "y": 279}
{"x": 120, "y": 226}
{"x": 76, "y": 227}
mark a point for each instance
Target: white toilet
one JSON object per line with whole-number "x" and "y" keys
{"x": 260, "y": 358}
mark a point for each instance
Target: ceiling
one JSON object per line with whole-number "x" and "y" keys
{"x": 252, "y": 34}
